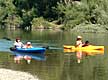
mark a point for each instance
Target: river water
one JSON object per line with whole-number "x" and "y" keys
{"x": 56, "y": 64}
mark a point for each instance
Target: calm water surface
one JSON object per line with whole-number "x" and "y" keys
{"x": 56, "y": 64}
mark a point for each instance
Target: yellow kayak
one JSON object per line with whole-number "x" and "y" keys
{"x": 90, "y": 47}
{"x": 84, "y": 51}
{"x": 93, "y": 53}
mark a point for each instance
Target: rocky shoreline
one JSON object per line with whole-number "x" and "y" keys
{"x": 7, "y": 74}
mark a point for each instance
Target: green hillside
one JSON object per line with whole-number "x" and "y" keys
{"x": 46, "y": 14}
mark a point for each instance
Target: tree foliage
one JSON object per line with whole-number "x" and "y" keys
{"x": 69, "y": 13}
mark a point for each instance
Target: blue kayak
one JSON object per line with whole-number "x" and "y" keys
{"x": 29, "y": 50}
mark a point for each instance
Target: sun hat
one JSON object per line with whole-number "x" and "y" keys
{"x": 79, "y": 37}
{"x": 28, "y": 42}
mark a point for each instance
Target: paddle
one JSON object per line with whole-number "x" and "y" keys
{"x": 6, "y": 38}
{"x": 12, "y": 48}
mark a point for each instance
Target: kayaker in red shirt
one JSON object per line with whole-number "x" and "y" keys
{"x": 28, "y": 45}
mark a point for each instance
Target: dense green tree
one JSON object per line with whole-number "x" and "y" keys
{"x": 68, "y": 13}
{"x": 6, "y": 9}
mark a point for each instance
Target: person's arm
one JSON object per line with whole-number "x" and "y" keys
{"x": 14, "y": 45}
{"x": 22, "y": 45}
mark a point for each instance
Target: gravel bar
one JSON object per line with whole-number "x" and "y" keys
{"x": 7, "y": 74}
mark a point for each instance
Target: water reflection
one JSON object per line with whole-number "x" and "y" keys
{"x": 18, "y": 57}
{"x": 79, "y": 56}
{"x": 28, "y": 58}
{"x": 83, "y": 53}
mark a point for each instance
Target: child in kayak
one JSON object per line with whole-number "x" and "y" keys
{"x": 28, "y": 45}
{"x": 86, "y": 44}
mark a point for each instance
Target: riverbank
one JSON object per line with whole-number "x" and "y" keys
{"x": 85, "y": 28}
{"x": 7, "y": 74}
{"x": 90, "y": 28}
{"x": 40, "y": 23}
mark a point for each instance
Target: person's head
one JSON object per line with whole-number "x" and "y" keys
{"x": 17, "y": 39}
{"x": 86, "y": 42}
{"x": 28, "y": 43}
{"x": 79, "y": 37}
